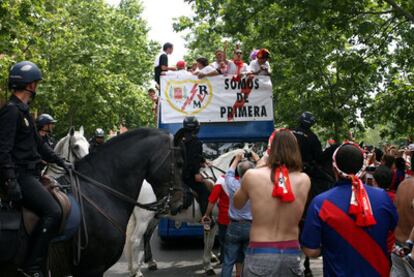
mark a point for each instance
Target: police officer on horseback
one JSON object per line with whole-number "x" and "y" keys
{"x": 21, "y": 150}
{"x": 193, "y": 159}
{"x": 97, "y": 140}
{"x": 310, "y": 146}
{"x": 45, "y": 124}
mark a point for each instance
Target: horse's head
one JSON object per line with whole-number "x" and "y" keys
{"x": 77, "y": 145}
{"x": 166, "y": 171}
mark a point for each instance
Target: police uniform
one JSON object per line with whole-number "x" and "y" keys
{"x": 21, "y": 150}
{"x": 310, "y": 146}
{"x": 49, "y": 140}
{"x": 193, "y": 160}
{"x": 94, "y": 146}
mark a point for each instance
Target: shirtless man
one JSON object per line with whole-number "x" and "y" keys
{"x": 277, "y": 208}
{"x": 402, "y": 264}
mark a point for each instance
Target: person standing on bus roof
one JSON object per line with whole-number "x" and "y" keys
{"x": 161, "y": 62}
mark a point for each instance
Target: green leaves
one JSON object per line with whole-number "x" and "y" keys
{"x": 349, "y": 62}
{"x": 96, "y": 59}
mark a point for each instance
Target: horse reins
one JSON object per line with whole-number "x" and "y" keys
{"x": 159, "y": 206}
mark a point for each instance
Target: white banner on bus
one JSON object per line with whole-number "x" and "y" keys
{"x": 216, "y": 99}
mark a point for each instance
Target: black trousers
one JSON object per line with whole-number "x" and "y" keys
{"x": 40, "y": 201}
{"x": 201, "y": 190}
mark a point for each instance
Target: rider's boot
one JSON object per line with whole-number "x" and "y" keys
{"x": 44, "y": 232}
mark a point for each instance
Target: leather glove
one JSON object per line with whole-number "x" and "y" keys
{"x": 14, "y": 192}
{"x": 67, "y": 166}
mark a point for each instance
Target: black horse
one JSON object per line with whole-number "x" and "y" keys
{"x": 322, "y": 179}
{"x": 121, "y": 164}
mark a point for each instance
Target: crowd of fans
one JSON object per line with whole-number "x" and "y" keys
{"x": 271, "y": 214}
{"x": 259, "y": 64}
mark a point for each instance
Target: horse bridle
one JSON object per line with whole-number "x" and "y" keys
{"x": 70, "y": 150}
{"x": 173, "y": 162}
{"x": 214, "y": 177}
{"x": 160, "y": 206}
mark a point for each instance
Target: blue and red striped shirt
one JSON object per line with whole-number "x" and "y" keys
{"x": 347, "y": 249}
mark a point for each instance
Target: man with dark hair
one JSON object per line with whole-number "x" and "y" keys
{"x": 21, "y": 151}
{"x": 383, "y": 177}
{"x": 203, "y": 68}
{"x": 161, "y": 62}
{"x": 349, "y": 223}
{"x": 154, "y": 105}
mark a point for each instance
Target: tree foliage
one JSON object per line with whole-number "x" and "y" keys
{"x": 95, "y": 59}
{"x": 349, "y": 62}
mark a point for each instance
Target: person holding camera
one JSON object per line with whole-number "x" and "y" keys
{"x": 237, "y": 236}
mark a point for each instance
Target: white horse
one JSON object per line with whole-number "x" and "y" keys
{"x": 73, "y": 147}
{"x": 142, "y": 220}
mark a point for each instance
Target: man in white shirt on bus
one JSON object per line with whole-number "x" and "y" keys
{"x": 221, "y": 66}
{"x": 261, "y": 66}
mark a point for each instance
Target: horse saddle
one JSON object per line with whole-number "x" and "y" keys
{"x": 17, "y": 224}
{"x": 70, "y": 219}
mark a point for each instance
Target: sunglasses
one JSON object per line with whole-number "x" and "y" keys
{"x": 238, "y": 53}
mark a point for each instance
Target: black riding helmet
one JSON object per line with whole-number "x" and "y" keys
{"x": 191, "y": 123}
{"x": 44, "y": 119}
{"x": 23, "y": 73}
{"x": 307, "y": 119}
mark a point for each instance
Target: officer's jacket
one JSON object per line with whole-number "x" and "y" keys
{"x": 48, "y": 140}
{"x": 20, "y": 143}
{"x": 310, "y": 146}
{"x": 194, "y": 156}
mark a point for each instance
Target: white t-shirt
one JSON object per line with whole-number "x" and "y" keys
{"x": 179, "y": 74}
{"x": 231, "y": 67}
{"x": 207, "y": 69}
{"x": 256, "y": 68}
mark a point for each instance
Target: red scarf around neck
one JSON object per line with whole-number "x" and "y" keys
{"x": 281, "y": 185}
{"x": 360, "y": 205}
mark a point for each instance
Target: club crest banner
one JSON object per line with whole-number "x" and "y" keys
{"x": 216, "y": 99}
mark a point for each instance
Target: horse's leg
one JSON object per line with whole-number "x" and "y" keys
{"x": 137, "y": 226}
{"x": 129, "y": 243}
{"x": 152, "y": 265}
{"x": 209, "y": 237}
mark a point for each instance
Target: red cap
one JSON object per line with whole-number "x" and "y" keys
{"x": 180, "y": 64}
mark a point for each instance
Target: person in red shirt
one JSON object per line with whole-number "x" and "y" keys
{"x": 219, "y": 194}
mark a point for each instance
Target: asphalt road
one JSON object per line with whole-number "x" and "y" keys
{"x": 182, "y": 259}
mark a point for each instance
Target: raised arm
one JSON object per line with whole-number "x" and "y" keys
{"x": 242, "y": 196}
